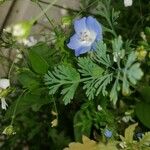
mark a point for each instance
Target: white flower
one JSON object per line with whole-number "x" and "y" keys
{"x": 4, "y": 83}
{"x": 4, "y": 105}
{"x": 31, "y": 41}
{"x": 128, "y": 3}
{"x": 8, "y": 30}
{"x": 99, "y": 108}
{"x": 18, "y": 30}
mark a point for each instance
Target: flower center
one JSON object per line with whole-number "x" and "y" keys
{"x": 87, "y": 37}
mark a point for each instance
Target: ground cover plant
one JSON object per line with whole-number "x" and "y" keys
{"x": 84, "y": 84}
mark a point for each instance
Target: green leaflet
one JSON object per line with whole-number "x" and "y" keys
{"x": 129, "y": 132}
{"x": 142, "y": 111}
{"x": 28, "y": 79}
{"x": 64, "y": 76}
{"x": 82, "y": 124}
{"x": 38, "y": 63}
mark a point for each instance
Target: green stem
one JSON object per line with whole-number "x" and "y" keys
{"x": 44, "y": 11}
{"x": 11, "y": 67}
{"x": 15, "y": 109}
{"x": 55, "y": 107}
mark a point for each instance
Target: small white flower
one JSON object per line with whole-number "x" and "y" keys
{"x": 128, "y": 3}
{"x": 18, "y": 30}
{"x": 99, "y": 108}
{"x": 4, "y": 105}
{"x": 4, "y": 83}
{"x": 8, "y": 30}
{"x": 31, "y": 41}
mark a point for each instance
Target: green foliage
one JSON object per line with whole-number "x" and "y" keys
{"x": 95, "y": 81}
{"x": 101, "y": 55}
{"x": 145, "y": 92}
{"x": 142, "y": 111}
{"x": 28, "y": 79}
{"x": 105, "y": 10}
{"x": 82, "y": 124}
{"x": 63, "y": 76}
{"x": 38, "y": 64}
{"x": 129, "y": 132}
{"x": 97, "y": 73}
{"x": 145, "y": 139}
{"x": 60, "y": 140}
{"x": 132, "y": 72}
{"x": 128, "y": 142}
{"x": 28, "y": 100}
{"x": 91, "y": 84}
{"x": 89, "y": 116}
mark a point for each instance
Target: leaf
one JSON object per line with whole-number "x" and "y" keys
{"x": 28, "y": 80}
{"x": 145, "y": 139}
{"x": 131, "y": 73}
{"x": 145, "y": 92}
{"x": 129, "y": 132}
{"x": 125, "y": 85}
{"x": 142, "y": 111}
{"x": 134, "y": 73}
{"x": 131, "y": 59}
{"x": 112, "y": 145}
{"x": 100, "y": 55}
{"x": 64, "y": 76}
{"x": 87, "y": 145}
{"x": 95, "y": 85}
{"x": 38, "y": 64}
{"x": 48, "y": 54}
{"x": 59, "y": 138}
{"x": 25, "y": 102}
{"x": 89, "y": 68}
{"x": 95, "y": 82}
{"x": 113, "y": 93}
{"x": 117, "y": 44}
{"x": 82, "y": 124}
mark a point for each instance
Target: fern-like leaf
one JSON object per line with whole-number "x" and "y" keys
{"x": 101, "y": 56}
{"x": 64, "y": 76}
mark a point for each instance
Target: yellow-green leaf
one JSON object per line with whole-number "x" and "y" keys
{"x": 86, "y": 145}
{"x": 129, "y": 132}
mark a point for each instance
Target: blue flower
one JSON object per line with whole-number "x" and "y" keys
{"x": 88, "y": 31}
{"x": 108, "y": 133}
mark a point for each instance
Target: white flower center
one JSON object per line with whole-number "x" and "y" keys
{"x": 87, "y": 37}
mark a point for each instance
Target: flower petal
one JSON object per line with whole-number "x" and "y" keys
{"x": 95, "y": 26}
{"x": 80, "y": 25}
{"x": 74, "y": 42}
{"x": 82, "y": 50}
{"x": 4, "y": 83}
{"x": 3, "y": 103}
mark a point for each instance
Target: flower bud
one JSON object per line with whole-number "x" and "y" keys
{"x": 4, "y": 83}
{"x": 128, "y": 3}
{"x": 9, "y": 130}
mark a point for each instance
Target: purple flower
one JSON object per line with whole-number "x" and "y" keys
{"x": 108, "y": 133}
{"x": 88, "y": 31}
